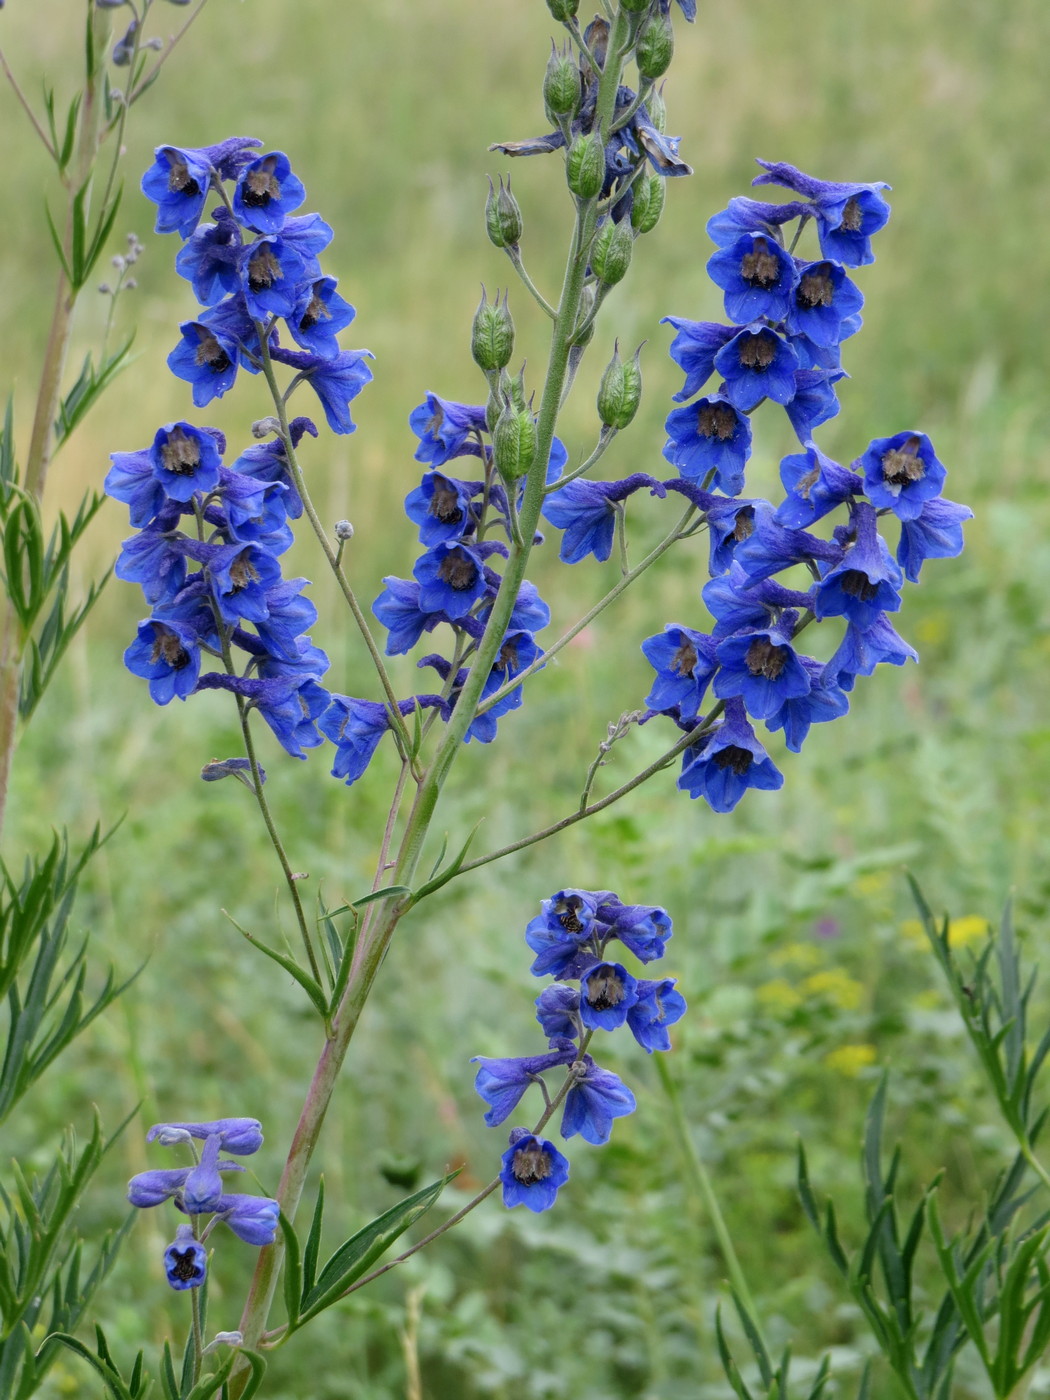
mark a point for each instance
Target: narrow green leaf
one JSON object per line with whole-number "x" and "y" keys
{"x": 308, "y": 984}
{"x": 257, "y": 1365}
{"x": 167, "y": 1375}
{"x": 754, "y": 1338}
{"x": 58, "y": 246}
{"x": 65, "y": 151}
{"x": 313, "y": 1241}
{"x": 384, "y": 893}
{"x": 208, "y": 1385}
{"x": 8, "y": 472}
{"x": 728, "y": 1364}
{"x": 354, "y": 1258}
{"x": 293, "y": 1271}
{"x": 103, "y": 229}
{"x": 831, "y": 1239}
{"x": 79, "y": 219}
{"x": 805, "y": 1190}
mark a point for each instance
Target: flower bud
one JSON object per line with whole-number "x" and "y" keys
{"x": 620, "y": 391}
{"x": 585, "y": 166}
{"x": 508, "y": 390}
{"x": 561, "y": 85}
{"x": 655, "y": 47}
{"x": 492, "y": 335}
{"x": 563, "y": 10}
{"x": 611, "y": 254}
{"x": 513, "y": 442}
{"x": 344, "y": 531}
{"x": 649, "y": 194}
{"x": 657, "y": 110}
{"x": 587, "y": 300}
{"x": 502, "y": 216}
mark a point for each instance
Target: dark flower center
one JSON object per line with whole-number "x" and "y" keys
{"x": 744, "y": 527}
{"x": 716, "y": 420}
{"x": 765, "y": 659}
{"x": 180, "y": 181}
{"x": 260, "y": 185}
{"x": 508, "y": 657}
{"x": 211, "y": 353}
{"x": 568, "y": 918}
{"x": 180, "y": 454}
{"x": 857, "y": 585}
{"x": 683, "y": 663}
{"x": 263, "y": 269}
{"x": 316, "y": 311}
{"x": 759, "y": 268}
{"x": 852, "y": 216}
{"x": 735, "y": 758}
{"x": 604, "y": 989}
{"x": 758, "y": 351}
{"x": 816, "y": 288}
{"x": 903, "y": 464}
{"x": 457, "y": 571}
{"x": 806, "y": 483}
{"x": 243, "y": 572}
{"x": 184, "y": 1265}
{"x": 530, "y": 1165}
{"x": 169, "y": 649}
{"x": 444, "y": 504}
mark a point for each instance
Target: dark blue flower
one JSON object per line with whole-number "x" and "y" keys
{"x": 607, "y": 993}
{"x": 203, "y": 1186}
{"x": 815, "y": 485}
{"x": 533, "y": 1170}
{"x": 272, "y": 273}
{"x": 266, "y": 461}
{"x": 180, "y": 177}
{"x": 451, "y": 579}
{"x": 762, "y": 668}
{"x": 823, "y": 303}
{"x": 205, "y": 357}
{"x": 823, "y": 701}
{"x": 241, "y": 577}
{"x": 936, "y": 533}
{"x": 309, "y": 235}
{"x": 642, "y": 928}
{"x": 131, "y": 479}
{"x": 155, "y": 560}
{"x": 185, "y": 1260}
{"x": 336, "y": 380}
{"x": 241, "y": 1136}
{"x": 446, "y": 429}
{"x": 757, "y": 276}
{"x": 288, "y": 615}
{"x": 397, "y": 608}
{"x": 211, "y": 259}
{"x": 517, "y": 653}
{"x": 867, "y": 581}
{"x": 770, "y": 548}
{"x": 710, "y": 435}
{"x": 558, "y": 1011}
{"x": 738, "y": 604}
{"x": 658, "y": 1006}
{"x": 441, "y": 507}
{"x": 253, "y": 511}
{"x": 267, "y": 192}
{"x": 722, "y": 765}
{"x": 597, "y": 1097}
{"x": 292, "y": 706}
{"x": 847, "y": 214}
{"x": 185, "y": 459}
{"x": 757, "y": 364}
{"x": 318, "y": 316}
{"x": 168, "y": 655}
{"x": 252, "y": 1219}
{"x": 560, "y": 933}
{"x": 744, "y": 215}
{"x": 501, "y": 1083}
{"x": 684, "y": 662}
{"x": 815, "y": 400}
{"x": 902, "y": 473}
{"x": 694, "y": 349}
{"x": 586, "y": 511}
{"x": 355, "y": 727}
{"x": 154, "y": 1187}
{"x": 862, "y": 649}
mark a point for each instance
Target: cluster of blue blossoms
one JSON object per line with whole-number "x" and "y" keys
{"x": 569, "y": 939}
{"x": 788, "y": 317}
{"x": 198, "y": 1191}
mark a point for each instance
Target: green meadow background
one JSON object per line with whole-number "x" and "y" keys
{"x": 795, "y": 940}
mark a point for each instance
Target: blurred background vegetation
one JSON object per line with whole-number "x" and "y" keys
{"x": 794, "y": 942}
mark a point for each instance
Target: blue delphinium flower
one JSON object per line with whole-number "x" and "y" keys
{"x": 355, "y": 727}
{"x": 168, "y": 655}
{"x": 203, "y": 1186}
{"x": 336, "y": 380}
{"x": 241, "y": 1136}
{"x": 533, "y": 1171}
{"x": 252, "y": 1219}
{"x": 815, "y": 400}
{"x": 607, "y": 993}
{"x": 642, "y": 928}
{"x": 936, "y": 533}
{"x": 710, "y": 435}
{"x": 267, "y": 192}
{"x": 815, "y": 485}
{"x": 451, "y": 579}
{"x": 206, "y": 358}
{"x": 558, "y": 933}
{"x": 318, "y": 316}
{"x": 723, "y": 764}
{"x": 446, "y": 429}
{"x": 658, "y": 1006}
{"x": 757, "y": 364}
{"x": 586, "y": 511}
{"x": 271, "y": 275}
{"x": 825, "y": 700}
{"x": 762, "y": 668}
{"x": 862, "y": 649}
{"x": 211, "y": 259}
{"x": 398, "y": 609}
{"x": 694, "y": 348}
{"x": 847, "y": 214}
{"x": 442, "y": 507}
{"x": 558, "y": 1011}
{"x": 823, "y": 303}
{"x": 502, "y": 1082}
{"x": 180, "y": 178}
{"x": 684, "y": 661}
{"x": 867, "y": 581}
{"x": 757, "y": 276}
{"x": 184, "y": 460}
{"x": 596, "y": 1098}
{"x": 185, "y": 1260}
{"x": 902, "y": 473}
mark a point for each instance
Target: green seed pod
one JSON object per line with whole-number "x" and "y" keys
{"x": 649, "y": 195}
{"x": 655, "y": 48}
{"x": 513, "y": 442}
{"x": 492, "y": 335}
{"x": 634, "y": 6}
{"x": 611, "y": 253}
{"x": 585, "y": 166}
{"x": 657, "y": 110}
{"x": 587, "y": 299}
{"x": 502, "y": 216}
{"x": 561, "y": 85}
{"x": 563, "y": 10}
{"x": 620, "y": 391}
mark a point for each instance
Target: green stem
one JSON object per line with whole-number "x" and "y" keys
{"x": 513, "y": 252}
{"x": 198, "y": 1333}
{"x": 701, "y": 1182}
